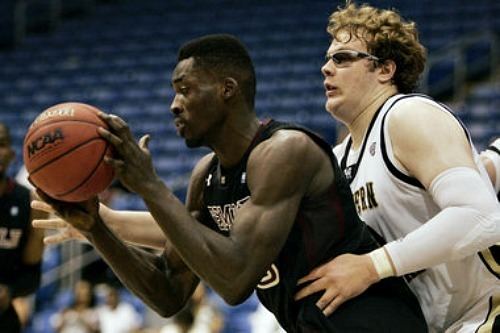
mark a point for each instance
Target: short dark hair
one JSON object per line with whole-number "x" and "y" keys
{"x": 224, "y": 55}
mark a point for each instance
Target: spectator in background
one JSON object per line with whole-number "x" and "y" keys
{"x": 81, "y": 315}
{"x": 21, "y": 246}
{"x": 199, "y": 315}
{"x": 236, "y": 319}
{"x": 117, "y": 316}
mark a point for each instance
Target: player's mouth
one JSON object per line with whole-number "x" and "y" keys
{"x": 179, "y": 126}
{"x": 330, "y": 89}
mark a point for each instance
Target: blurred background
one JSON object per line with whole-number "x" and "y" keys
{"x": 118, "y": 55}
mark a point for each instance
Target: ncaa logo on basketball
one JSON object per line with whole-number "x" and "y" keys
{"x": 49, "y": 138}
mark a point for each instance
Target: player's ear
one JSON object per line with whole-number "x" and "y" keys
{"x": 230, "y": 86}
{"x": 387, "y": 70}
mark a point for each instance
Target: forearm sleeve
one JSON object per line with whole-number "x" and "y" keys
{"x": 468, "y": 222}
{"x": 27, "y": 280}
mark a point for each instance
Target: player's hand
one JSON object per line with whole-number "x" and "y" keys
{"x": 341, "y": 279}
{"x": 63, "y": 231}
{"x": 133, "y": 164}
{"x": 4, "y": 297}
{"x": 82, "y": 215}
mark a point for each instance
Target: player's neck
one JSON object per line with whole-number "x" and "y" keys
{"x": 235, "y": 138}
{"x": 359, "y": 126}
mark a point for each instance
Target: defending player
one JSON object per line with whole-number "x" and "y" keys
{"x": 414, "y": 175}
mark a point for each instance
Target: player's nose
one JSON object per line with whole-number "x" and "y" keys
{"x": 176, "y": 107}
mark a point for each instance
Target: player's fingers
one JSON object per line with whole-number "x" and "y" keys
{"x": 56, "y": 239}
{"x": 310, "y": 289}
{"x": 60, "y": 208}
{"x": 118, "y": 125}
{"x": 313, "y": 275}
{"x": 327, "y": 298}
{"x": 110, "y": 137}
{"x": 118, "y": 165}
{"x": 306, "y": 278}
{"x": 144, "y": 142}
{"x": 49, "y": 224}
{"x": 55, "y": 204}
{"x": 42, "y": 206}
{"x": 337, "y": 301}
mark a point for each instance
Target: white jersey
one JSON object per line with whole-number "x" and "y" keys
{"x": 394, "y": 204}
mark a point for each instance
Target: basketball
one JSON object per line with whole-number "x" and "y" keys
{"x": 64, "y": 154}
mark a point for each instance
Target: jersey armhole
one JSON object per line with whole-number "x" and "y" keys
{"x": 395, "y": 168}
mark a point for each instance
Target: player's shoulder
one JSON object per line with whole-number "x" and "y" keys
{"x": 194, "y": 198}
{"x": 420, "y": 116}
{"x": 202, "y": 166}
{"x": 293, "y": 153}
{"x": 284, "y": 144}
{"x": 415, "y": 108}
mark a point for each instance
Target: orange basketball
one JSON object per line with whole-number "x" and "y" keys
{"x": 64, "y": 153}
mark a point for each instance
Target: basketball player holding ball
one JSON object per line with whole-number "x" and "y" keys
{"x": 268, "y": 204}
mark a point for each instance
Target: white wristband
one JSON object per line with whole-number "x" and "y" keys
{"x": 381, "y": 262}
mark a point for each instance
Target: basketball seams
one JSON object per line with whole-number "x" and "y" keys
{"x": 68, "y": 152}
{"x": 91, "y": 173}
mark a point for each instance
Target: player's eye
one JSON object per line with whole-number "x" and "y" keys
{"x": 345, "y": 57}
{"x": 342, "y": 57}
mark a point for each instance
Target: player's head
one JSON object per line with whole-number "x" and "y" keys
{"x": 6, "y": 152}
{"x": 386, "y": 35}
{"x": 214, "y": 78}
{"x": 84, "y": 294}
{"x": 224, "y": 56}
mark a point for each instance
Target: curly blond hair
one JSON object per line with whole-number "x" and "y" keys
{"x": 387, "y": 35}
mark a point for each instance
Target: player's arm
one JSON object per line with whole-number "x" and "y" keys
{"x": 491, "y": 160}
{"x": 279, "y": 172}
{"x": 432, "y": 146}
{"x": 163, "y": 281}
{"x": 133, "y": 227}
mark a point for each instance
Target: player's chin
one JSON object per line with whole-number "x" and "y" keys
{"x": 331, "y": 106}
{"x": 193, "y": 142}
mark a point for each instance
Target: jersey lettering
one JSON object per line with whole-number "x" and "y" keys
{"x": 271, "y": 278}
{"x": 224, "y": 215}
{"x": 364, "y": 198}
{"x": 10, "y": 240}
